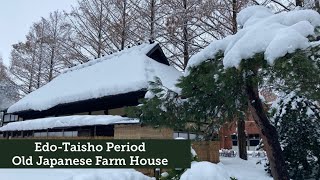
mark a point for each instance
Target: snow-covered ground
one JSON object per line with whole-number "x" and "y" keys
{"x": 229, "y": 167}
{"x": 72, "y": 174}
{"x": 244, "y": 170}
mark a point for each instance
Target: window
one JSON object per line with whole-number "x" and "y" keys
{"x": 70, "y": 133}
{"x": 254, "y": 139}
{"x": 14, "y": 118}
{"x": 55, "y": 134}
{"x": 104, "y": 130}
{"x": 254, "y": 136}
{"x": 9, "y": 118}
{"x": 17, "y": 134}
{"x": 185, "y": 135}
{"x": 254, "y": 142}
{"x": 27, "y": 133}
{"x": 40, "y": 134}
{"x": 1, "y": 116}
{"x": 84, "y": 133}
{"x": 234, "y": 138}
{"x": 6, "y": 118}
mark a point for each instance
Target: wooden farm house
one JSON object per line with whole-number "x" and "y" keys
{"x": 89, "y": 99}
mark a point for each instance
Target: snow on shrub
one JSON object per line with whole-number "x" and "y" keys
{"x": 111, "y": 174}
{"x": 275, "y": 35}
{"x": 298, "y": 122}
{"x": 205, "y": 171}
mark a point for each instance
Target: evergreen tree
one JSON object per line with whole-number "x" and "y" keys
{"x": 223, "y": 81}
{"x": 297, "y": 120}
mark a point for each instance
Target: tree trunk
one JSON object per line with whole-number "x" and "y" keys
{"x": 234, "y": 17}
{"x": 99, "y": 51}
{"x": 31, "y": 71}
{"x": 123, "y": 32}
{"x": 299, "y": 3}
{"x": 185, "y": 37}
{"x": 317, "y": 5}
{"x": 152, "y": 19}
{"x": 274, "y": 152}
{"x": 51, "y": 64}
{"x": 242, "y": 138}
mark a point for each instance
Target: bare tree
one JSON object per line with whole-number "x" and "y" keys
{"x": 149, "y": 20}
{"x": 8, "y": 89}
{"x": 191, "y": 25}
{"x": 23, "y": 57}
{"x": 56, "y": 33}
{"x": 41, "y": 57}
{"x": 179, "y": 33}
{"x": 121, "y": 29}
{"x": 89, "y": 22}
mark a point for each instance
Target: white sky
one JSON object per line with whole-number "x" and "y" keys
{"x": 17, "y": 16}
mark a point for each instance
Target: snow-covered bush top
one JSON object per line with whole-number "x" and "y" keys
{"x": 262, "y": 32}
{"x": 291, "y": 101}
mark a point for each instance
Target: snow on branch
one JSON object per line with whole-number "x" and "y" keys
{"x": 262, "y": 31}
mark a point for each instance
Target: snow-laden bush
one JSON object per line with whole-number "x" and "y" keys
{"x": 297, "y": 120}
{"x": 175, "y": 173}
{"x": 205, "y": 171}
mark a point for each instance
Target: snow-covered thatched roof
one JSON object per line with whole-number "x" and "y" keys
{"x": 67, "y": 121}
{"x": 126, "y": 71}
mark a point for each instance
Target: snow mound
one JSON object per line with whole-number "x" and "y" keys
{"x": 205, "y": 171}
{"x": 72, "y": 174}
{"x": 262, "y": 32}
{"x": 67, "y": 121}
{"x": 244, "y": 170}
{"x": 126, "y": 71}
{"x": 114, "y": 174}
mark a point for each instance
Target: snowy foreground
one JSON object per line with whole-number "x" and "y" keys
{"x": 229, "y": 167}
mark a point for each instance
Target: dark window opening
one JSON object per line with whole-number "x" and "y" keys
{"x": 105, "y": 130}
{"x": 254, "y": 142}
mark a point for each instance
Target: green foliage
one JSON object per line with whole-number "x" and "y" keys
{"x": 298, "y": 122}
{"x": 164, "y": 108}
{"x": 214, "y": 92}
{"x": 298, "y": 72}
{"x": 210, "y": 96}
{"x": 175, "y": 174}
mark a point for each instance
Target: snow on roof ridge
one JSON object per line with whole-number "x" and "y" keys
{"x": 143, "y": 48}
{"x": 67, "y": 121}
{"x": 263, "y": 32}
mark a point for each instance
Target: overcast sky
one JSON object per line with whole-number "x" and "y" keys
{"x": 16, "y": 16}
